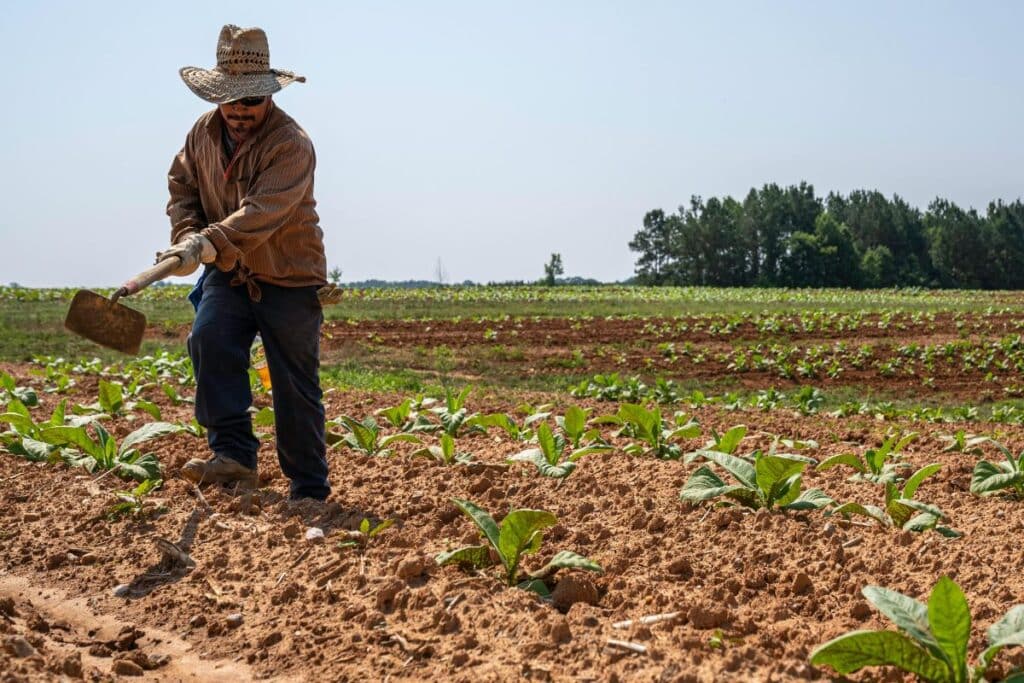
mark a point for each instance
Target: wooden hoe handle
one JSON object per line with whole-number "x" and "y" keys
{"x": 148, "y": 277}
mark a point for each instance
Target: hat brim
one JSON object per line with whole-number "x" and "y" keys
{"x": 219, "y": 87}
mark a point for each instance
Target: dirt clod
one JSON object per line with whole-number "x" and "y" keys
{"x": 18, "y": 647}
{"x": 573, "y": 588}
{"x": 126, "y": 667}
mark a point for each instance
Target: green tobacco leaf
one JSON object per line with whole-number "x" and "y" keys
{"x": 588, "y": 450}
{"x": 915, "y": 480}
{"x": 566, "y": 559}
{"x": 139, "y": 468}
{"x": 988, "y": 477}
{"x": 476, "y": 556}
{"x": 923, "y": 521}
{"x": 30, "y": 449}
{"x": 641, "y": 418}
{"x": 150, "y": 408}
{"x": 73, "y": 436}
{"x": 480, "y": 517}
{"x": 1007, "y": 631}
{"x": 21, "y": 423}
{"x": 904, "y": 611}
{"x": 534, "y": 455}
{"x": 853, "y": 651}
{"x": 811, "y": 499}
{"x": 737, "y": 467}
{"x": 850, "y": 459}
{"x": 575, "y": 421}
{"x": 950, "y": 620}
{"x": 690, "y": 430}
{"x": 773, "y": 469}
{"x": 870, "y": 511}
{"x": 111, "y": 397}
{"x": 560, "y": 471}
{"x": 731, "y": 439}
{"x": 518, "y": 533}
{"x": 546, "y": 440}
{"x": 784, "y": 492}
{"x": 704, "y": 484}
{"x": 147, "y": 432}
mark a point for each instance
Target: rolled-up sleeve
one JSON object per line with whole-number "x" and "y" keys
{"x": 184, "y": 208}
{"x": 281, "y": 183}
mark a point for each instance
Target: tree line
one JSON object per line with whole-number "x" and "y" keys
{"x": 788, "y": 236}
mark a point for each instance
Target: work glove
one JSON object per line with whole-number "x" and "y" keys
{"x": 330, "y": 294}
{"x": 192, "y": 251}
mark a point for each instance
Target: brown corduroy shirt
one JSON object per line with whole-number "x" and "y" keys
{"x": 256, "y": 208}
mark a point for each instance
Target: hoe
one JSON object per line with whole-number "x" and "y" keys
{"x": 109, "y": 323}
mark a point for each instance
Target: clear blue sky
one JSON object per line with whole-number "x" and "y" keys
{"x": 491, "y": 135}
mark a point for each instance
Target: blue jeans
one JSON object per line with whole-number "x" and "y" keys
{"x": 288, "y": 320}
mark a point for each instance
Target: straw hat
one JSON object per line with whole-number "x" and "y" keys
{"x": 243, "y": 68}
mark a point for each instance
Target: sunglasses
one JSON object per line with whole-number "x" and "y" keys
{"x": 249, "y": 101}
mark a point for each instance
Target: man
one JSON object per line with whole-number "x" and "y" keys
{"x": 242, "y": 203}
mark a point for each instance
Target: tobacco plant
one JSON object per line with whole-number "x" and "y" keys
{"x": 932, "y": 639}
{"x": 454, "y": 414}
{"x": 551, "y": 458}
{"x": 444, "y": 453}
{"x": 520, "y": 533}
{"x": 102, "y": 452}
{"x": 901, "y": 510}
{"x": 27, "y": 438}
{"x": 133, "y": 502}
{"x": 365, "y": 437}
{"x": 405, "y": 418}
{"x": 1007, "y": 475}
{"x": 9, "y": 390}
{"x": 720, "y": 443}
{"x": 361, "y": 537}
{"x": 655, "y": 434}
{"x": 764, "y": 481}
{"x": 878, "y": 465}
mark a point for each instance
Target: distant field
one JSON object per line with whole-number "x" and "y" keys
{"x": 31, "y": 320}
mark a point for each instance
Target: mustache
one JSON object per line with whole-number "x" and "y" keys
{"x": 241, "y": 117}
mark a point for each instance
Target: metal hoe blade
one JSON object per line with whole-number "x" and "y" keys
{"x": 106, "y": 322}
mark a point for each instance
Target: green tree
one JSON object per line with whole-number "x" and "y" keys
{"x": 878, "y": 267}
{"x": 552, "y": 269}
{"x": 656, "y": 264}
{"x": 335, "y": 276}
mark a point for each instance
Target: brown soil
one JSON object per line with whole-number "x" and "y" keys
{"x": 752, "y": 593}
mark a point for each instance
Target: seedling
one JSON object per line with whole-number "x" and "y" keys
{"x": 876, "y": 465}
{"x": 548, "y": 458}
{"x": 365, "y": 437}
{"x": 771, "y": 480}
{"x": 453, "y": 414}
{"x": 28, "y": 440}
{"x": 932, "y": 639}
{"x": 405, "y": 418}
{"x": 901, "y": 510}
{"x": 10, "y": 390}
{"x": 445, "y": 453}
{"x": 103, "y": 452}
{"x": 133, "y": 502}
{"x": 726, "y": 443}
{"x": 655, "y": 434}
{"x": 962, "y": 442}
{"x": 367, "y": 530}
{"x": 990, "y": 477}
{"x": 519, "y": 534}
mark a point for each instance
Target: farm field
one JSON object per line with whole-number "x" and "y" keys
{"x": 638, "y": 418}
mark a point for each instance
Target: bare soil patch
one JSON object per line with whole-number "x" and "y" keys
{"x": 751, "y": 594}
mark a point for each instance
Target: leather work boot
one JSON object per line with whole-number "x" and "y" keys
{"x": 218, "y": 470}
